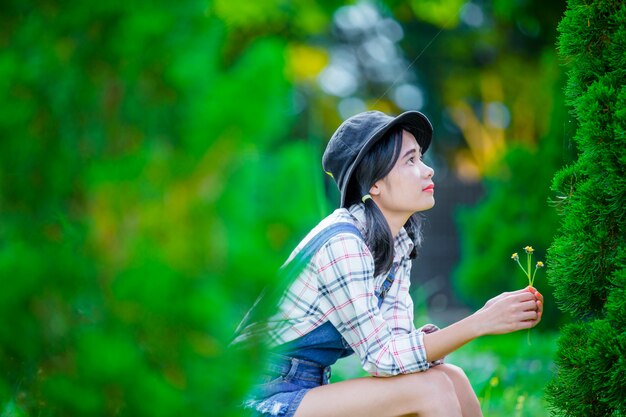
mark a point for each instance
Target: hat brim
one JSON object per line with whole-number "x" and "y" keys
{"x": 412, "y": 121}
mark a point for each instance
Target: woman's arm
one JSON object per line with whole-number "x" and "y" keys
{"x": 344, "y": 268}
{"x": 505, "y": 313}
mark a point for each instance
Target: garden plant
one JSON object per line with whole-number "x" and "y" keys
{"x": 587, "y": 259}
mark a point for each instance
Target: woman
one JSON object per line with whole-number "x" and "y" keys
{"x": 353, "y": 294}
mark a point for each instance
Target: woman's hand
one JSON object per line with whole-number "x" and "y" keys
{"x": 511, "y": 311}
{"x": 508, "y": 312}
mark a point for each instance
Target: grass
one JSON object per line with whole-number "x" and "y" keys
{"x": 508, "y": 374}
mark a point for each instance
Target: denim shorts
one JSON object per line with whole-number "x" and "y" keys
{"x": 283, "y": 383}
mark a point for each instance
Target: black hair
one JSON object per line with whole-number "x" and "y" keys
{"x": 375, "y": 165}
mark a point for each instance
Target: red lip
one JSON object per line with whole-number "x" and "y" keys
{"x": 430, "y": 187}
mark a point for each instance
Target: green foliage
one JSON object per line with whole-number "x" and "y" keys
{"x": 147, "y": 195}
{"x": 590, "y": 371}
{"x": 513, "y": 213}
{"x": 507, "y": 374}
{"x": 588, "y": 256}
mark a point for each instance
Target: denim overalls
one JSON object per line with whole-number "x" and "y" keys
{"x": 296, "y": 367}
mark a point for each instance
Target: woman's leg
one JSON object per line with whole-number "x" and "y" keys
{"x": 429, "y": 393}
{"x": 465, "y": 393}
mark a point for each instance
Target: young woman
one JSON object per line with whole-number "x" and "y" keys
{"x": 352, "y": 297}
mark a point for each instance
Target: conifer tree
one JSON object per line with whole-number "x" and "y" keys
{"x": 587, "y": 259}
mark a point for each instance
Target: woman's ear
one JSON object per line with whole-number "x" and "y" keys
{"x": 375, "y": 189}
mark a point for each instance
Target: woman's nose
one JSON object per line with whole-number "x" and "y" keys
{"x": 428, "y": 171}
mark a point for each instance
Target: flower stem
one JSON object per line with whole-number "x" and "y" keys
{"x": 520, "y": 265}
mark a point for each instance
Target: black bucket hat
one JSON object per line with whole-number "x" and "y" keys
{"x": 356, "y": 135}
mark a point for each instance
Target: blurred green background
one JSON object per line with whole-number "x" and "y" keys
{"x": 159, "y": 160}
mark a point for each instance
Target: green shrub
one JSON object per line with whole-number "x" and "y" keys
{"x": 143, "y": 180}
{"x": 588, "y": 256}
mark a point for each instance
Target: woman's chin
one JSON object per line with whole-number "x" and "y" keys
{"x": 427, "y": 206}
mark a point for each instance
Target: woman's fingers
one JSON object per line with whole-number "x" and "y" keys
{"x": 525, "y": 296}
{"x": 539, "y": 303}
{"x": 526, "y": 292}
{"x": 515, "y": 310}
{"x": 529, "y": 315}
{"x": 530, "y": 305}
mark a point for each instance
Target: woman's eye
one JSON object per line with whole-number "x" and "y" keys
{"x": 412, "y": 159}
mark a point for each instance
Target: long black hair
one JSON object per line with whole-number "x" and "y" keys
{"x": 374, "y": 166}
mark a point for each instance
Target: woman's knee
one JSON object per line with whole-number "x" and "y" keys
{"x": 434, "y": 394}
{"x": 459, "y": 379}
{"x": 455, "y": 373}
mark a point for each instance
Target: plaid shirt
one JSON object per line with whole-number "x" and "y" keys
{"x": 339, "y": 286}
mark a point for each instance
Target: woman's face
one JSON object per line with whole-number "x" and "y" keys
{"x": 408, "y": 188}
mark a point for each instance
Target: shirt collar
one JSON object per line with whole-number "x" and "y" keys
{"x": 403, "y": 244}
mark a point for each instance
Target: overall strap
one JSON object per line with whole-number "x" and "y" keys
{"x": 384, "y": 289}
{"x": 305, "y": 255}
{"x": 296, "y": 265}
{"x": 289, "y": 272}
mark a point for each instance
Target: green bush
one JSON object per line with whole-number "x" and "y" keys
{"x": 588, "y": 255}
{"x": 144, "y": 170}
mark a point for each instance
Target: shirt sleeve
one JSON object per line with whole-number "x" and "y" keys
{"x": 398, "y": 306}
{"x": 345, "y": 269}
